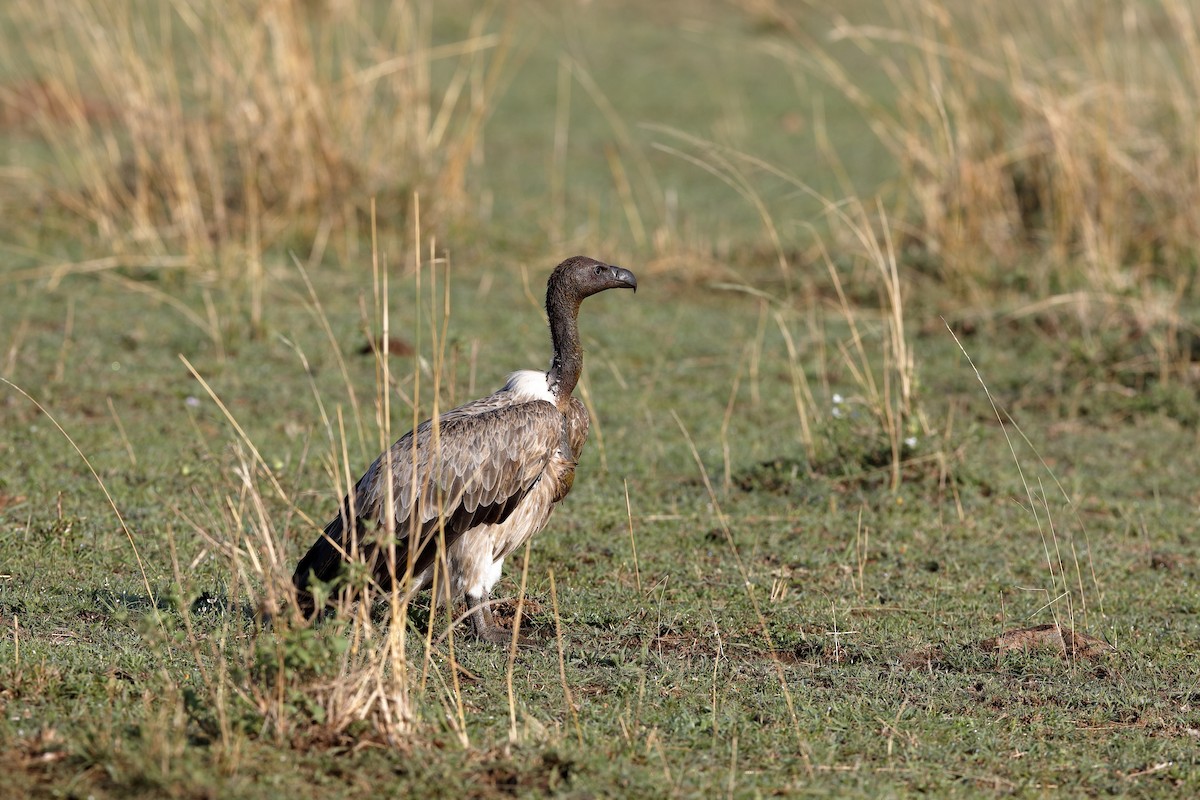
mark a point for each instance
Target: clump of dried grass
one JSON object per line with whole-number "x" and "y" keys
{"x": 217, "y": 130}
{"x": 1058, "y": 144}
{"x": 353, "y": 676}
{"x": 285, "y": 679}
{"x": 1048, "y": 155}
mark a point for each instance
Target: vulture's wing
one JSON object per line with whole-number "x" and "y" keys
{"x": 578, "y": 424}
{"x": 473, "y": 469}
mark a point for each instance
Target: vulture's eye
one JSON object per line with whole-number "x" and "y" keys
{"x": 599, "y": 270}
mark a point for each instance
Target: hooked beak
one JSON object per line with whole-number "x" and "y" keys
{"x": 624, "y": 278}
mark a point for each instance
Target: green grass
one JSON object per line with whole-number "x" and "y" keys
{"x": 802, "y": 629}
{"x": 664, "y": 680}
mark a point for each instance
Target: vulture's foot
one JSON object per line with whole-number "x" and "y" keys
{"x": 501, "y": 637}
{"x": 484, "y": 626}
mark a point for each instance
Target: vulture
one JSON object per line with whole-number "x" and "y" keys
{"x": 483, "y": 479}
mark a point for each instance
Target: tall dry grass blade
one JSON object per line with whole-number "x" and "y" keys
{"x": 1031, "y": 497}
{"x": 245, "y": 438}
{"x": 562, "y": 663}
{"x": 637, "y": 570}
{"x": 513, "y": 734}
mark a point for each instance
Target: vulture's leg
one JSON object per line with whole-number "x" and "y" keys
{"x": 483, "y": 623}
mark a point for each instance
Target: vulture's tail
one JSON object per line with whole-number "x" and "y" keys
{"x": 321, "y": 563}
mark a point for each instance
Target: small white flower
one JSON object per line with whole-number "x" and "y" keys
{"x": 837, "y": 412}
{"x": 838, "y": 399}
{"x": 192, "y": 402}
{"x": 911, "y": 441}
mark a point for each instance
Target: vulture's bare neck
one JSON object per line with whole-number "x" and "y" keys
{"x": 563, "y": 309}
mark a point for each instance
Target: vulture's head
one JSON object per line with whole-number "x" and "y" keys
{"x": 580, "y": 277}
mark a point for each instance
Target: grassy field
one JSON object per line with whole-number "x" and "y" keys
{"x": 911, "y": 371}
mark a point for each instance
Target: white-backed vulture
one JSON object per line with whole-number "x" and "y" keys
{"x": 485, "y": 478}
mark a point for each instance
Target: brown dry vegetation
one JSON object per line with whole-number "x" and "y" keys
{"x": 222, "y": 131}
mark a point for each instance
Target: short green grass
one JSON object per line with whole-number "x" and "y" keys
{"x": 675, "y": 687}
{"x": 800, "y": 629}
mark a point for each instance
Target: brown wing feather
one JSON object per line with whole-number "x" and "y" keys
{"x": 578, "y": 424}
{"x": 473, "y": 470}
